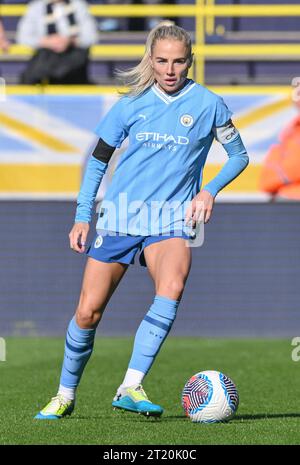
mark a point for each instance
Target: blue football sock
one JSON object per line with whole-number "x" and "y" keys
{"x": 152, "y": 332}
{"x": 78, "y": 349}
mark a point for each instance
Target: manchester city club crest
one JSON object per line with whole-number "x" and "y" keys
{"x": 98, "y": 242}
{"x": 186, "y": 120}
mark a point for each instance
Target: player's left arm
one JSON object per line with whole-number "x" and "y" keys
{"x": 202, "y": 204}
{"x": 237, "y": 161}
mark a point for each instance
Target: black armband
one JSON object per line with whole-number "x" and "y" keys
{"x": 103, "y": 151}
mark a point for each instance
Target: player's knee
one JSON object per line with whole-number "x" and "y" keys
{"x": 89, "y": 311}
{"x": 172, "y": 288}
{"x": 87, "y": 318}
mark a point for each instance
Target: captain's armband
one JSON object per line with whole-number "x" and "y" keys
{"x": 226, "y": 133}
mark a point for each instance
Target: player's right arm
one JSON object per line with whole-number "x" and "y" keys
{"x": 112, "y": 131}
{"x": 95, "y": 170}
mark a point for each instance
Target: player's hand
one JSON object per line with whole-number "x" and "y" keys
{"x": 78, "y": 236}
{"x": 200, "y": 208}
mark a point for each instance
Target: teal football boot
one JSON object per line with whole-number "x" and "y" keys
{"x": 134, "y": 399}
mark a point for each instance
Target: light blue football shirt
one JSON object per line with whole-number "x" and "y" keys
{"x": 161, "y": 171}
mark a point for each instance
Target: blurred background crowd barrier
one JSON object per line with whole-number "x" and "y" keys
{"x": 235, "y": 41}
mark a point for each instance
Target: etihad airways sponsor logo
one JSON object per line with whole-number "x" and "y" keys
{"x": 162, "y": 138}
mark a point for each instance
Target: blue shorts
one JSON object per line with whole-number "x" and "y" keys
{"x": 122, "y": 248}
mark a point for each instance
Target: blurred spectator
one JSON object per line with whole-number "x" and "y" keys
{"x": 61, "y": 31}
{"x": 280, "y": 175}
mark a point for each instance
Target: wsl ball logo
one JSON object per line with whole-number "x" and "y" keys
{"x": 98, "y": 242}
{"x": 186, "y": 120}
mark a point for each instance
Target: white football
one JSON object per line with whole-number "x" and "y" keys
{"x": 210, "y": 397}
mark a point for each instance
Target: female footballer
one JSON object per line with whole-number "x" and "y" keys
{"x": 151, "y": 206}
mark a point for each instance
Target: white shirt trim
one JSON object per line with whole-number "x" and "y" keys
{"x": 169, "y": 98}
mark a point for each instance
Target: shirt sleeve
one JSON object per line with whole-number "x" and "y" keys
{"x": 113, "y": 128}
{"x": 237, "y": 162}
{"x": 222, "y": 114}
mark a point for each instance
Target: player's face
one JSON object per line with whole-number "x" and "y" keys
{"x": 170, "y": 63}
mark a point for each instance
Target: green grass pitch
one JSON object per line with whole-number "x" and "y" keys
{"x": 268, "y": 382}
